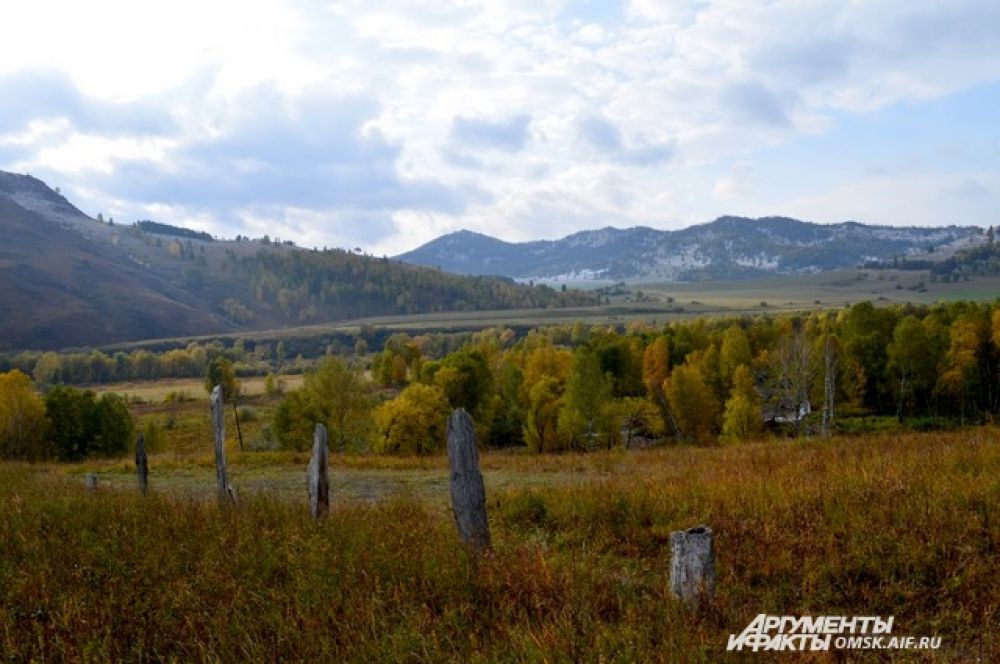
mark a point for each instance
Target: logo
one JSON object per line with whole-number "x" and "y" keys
{"x": 821, "y": 633}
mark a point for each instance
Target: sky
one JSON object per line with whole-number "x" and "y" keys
{"x": 383, "y": 124}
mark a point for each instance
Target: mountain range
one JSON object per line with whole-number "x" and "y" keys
{"x": 727, "y": 248}
{"x": 69, "y": 280}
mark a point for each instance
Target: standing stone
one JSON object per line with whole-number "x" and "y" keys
{"x": 692, "y": 565}
{"x": 468, "y": 495}
{"x": 318, "y": 474}
{"x": 142, "y": 464}
{"x": 226, "y": 492}
{"x": 90, "y": 479}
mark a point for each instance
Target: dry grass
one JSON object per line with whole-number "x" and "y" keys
{"x": 893, "y": 525}
{"x": 156, "y": 391}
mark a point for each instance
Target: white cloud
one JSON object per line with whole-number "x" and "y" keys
{"x": 522, "y": 119}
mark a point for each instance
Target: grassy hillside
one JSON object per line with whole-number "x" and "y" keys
{"x": 867, "y": 526}
{"x": 69, "y": 280}
{"x": 60, "y": 288}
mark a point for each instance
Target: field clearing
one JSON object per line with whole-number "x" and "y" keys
{"x": 156, "y": 391}
{"x": 789, "y": 293}
{"x": 889, "y": 525}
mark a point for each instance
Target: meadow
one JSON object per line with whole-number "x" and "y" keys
{"x": 901, "y": 525}
{"x": 657, "y": 303}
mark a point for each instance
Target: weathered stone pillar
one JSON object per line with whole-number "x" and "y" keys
{"x": 318, "y": 474}
{"x": 142, "y": 464}
{"x": 692, "y": 565}
{"x": 90, "y": 479}
{"x": 468, "y": 495}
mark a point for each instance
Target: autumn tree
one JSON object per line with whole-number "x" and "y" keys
{"x": 541, "y": 417}
{"x": 22, "y": 418}
{"x": 655, "y": 370}
{"x": 692, "y": 402}
{"x": 636, "y": 416}
{"x": 742, "y": 419}
{"x": 734, "y": 353}
{"x": 412, "y": 423}
{"x": 959, "y": 363}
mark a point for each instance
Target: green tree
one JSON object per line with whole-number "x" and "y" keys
{"x": 335, "y": 395}
{"x": 113, "y": 426}
{"x": 71, "y": 421}
{"x": 220, "y": 372}
{"x": 586, "y": 420}
{"x": 912, "y": 361}
{"x": 466, "y": 381}
{"x": 82, "y": 425}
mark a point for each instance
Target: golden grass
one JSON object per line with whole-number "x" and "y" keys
{"x": 894, "y": 525}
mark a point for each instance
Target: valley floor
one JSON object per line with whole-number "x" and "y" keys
{"x": 900, "y": 525}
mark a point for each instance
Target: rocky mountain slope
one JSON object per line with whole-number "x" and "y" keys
{"x": 727, "y": 248}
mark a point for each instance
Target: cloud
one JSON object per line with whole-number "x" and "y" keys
{"x": 43, "y": 94}
{"x": 754, "y": 103}
{"x": 736, "y": 183}
{"x": 508, "y": 134}
{"x": 387, "y": 122}
{"x": 607, "y": 139}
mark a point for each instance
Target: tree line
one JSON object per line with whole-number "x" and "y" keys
{"x": 581, "y": 387}
{"x": 67, "y": 424}
{"x": 310, "y": 286}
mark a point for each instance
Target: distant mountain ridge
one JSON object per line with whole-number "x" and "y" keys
{"x": 727, "y": 248}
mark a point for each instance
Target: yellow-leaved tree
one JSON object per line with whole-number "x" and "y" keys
{"x": 22, "y": 418}
{"x": 742, "y": 419}
{"x": 412, "y": 423}
{"x": 692, "y": 402}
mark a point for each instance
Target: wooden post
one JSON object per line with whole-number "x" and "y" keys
{"x": 468, "y": 495}
{"x": 239, "y": 431}
{"x": 692, "y": 565}
{"x": 225, "y": 491}
{"x": 142, "y": 464}
{"x": 90, "y": 479}
{"x": 318, "y": 474}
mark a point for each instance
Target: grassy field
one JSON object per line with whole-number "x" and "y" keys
{"x": 890, "y": 525}
{"x": 157, "y": 391}
{"x": 690, "y": 300}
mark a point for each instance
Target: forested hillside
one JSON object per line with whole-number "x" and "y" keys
{"x": 70, "y": 280}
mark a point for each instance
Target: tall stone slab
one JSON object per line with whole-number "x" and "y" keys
{"x": 468, "y": 494}
{"x": 318, "y": 474}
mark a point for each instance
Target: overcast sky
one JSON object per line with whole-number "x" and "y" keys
{"x": 385, "y": 124}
